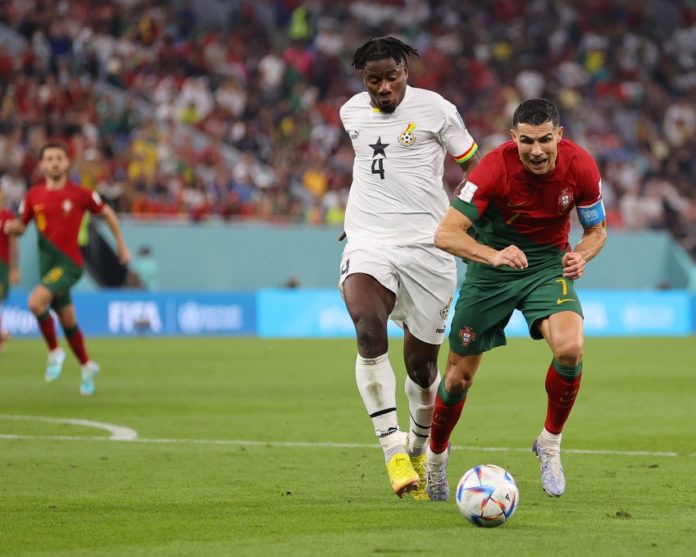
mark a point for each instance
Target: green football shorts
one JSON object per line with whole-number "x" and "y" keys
{"x": 59, "y": 278}
{"x": 4, "y": 280}
{"x": 484, "y": 308}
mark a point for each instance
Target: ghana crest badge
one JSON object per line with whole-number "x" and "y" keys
{"x": 408, "y": 137}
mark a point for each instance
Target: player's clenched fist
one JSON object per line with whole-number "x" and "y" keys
{"x": 573, "y": 265}
{"x": 511, "y": 256}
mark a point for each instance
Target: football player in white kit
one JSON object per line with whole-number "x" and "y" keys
{"x": 390, "y": 268}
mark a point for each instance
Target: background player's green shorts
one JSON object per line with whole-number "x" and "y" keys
{"x": 59, "y": 276}
{"x": 4, "y": 280}
{"x": 484, "y": 308}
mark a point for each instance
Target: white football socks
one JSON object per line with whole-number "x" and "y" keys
{"x": 420, "y": 408}
{"x": 377, "y": 387}
{"x": 550, "y": 440}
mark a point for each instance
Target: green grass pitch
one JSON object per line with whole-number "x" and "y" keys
{"x": 234, "y": 453}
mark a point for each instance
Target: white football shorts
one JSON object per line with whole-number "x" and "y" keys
{"x": 422, "y": 277}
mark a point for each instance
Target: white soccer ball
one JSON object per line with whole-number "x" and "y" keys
{"x": 487, "y": 495}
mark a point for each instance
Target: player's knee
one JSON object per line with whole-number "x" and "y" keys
{"x": 569, "y": 353}
{"x": 422, "y": 372}
{"x": 37, "y": 305}
{"x": 372, "y": 337}
{"x": 458, "y": 380}
{"x": 457, "y": 385}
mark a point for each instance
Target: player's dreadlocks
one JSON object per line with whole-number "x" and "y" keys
{"x": 381, "y": 48}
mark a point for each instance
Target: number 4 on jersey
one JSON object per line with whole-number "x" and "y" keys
{"x": 378, "y": 167}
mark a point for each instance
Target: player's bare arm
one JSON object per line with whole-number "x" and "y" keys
{"x": 593, "y": 239}
{"x": 452, "y": 237}
{"x": 112, "y": 222}
{"x": 14, "y": 261}
{"x": 468, "y": 165}
{"x": 14, "y": 227}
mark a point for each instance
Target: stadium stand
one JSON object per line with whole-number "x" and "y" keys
{"x": 214, "y": 109}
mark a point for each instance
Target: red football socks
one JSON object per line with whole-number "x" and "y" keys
{"x": 77, "y": 343}
{"x": 562, "y": 391}
{"x": 445, "y": 417}
{"x": 48, "y": 329}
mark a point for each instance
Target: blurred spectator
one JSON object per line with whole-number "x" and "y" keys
{"x": 146, "y": 267}
{"x": 13, "y": 186}
{"x": 267, "y": 78}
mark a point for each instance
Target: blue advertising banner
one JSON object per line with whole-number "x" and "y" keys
{"x": 306, "y": 313}
{"x": 138, "y": 313}
{"x": 321, "y": 313}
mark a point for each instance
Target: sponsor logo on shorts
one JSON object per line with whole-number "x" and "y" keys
{"x": 439, "y": 331}
{"x": 354, "y": 134}
{"x": 54, "y": 275}
{"x": 345, "y": 267}
{"x": 560, "y": 301}
{"x": 467, "y": 335}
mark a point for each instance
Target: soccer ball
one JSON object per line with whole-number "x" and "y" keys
{"x": 487, "y": 495}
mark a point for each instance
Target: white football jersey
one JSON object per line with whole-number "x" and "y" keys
{"x": 397, "y": 196}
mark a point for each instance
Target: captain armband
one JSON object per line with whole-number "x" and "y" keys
{"x": 591, "y": 215}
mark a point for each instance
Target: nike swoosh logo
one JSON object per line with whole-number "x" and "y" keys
{"x": 559, "y": 301}
{"x": 512, "y": 205}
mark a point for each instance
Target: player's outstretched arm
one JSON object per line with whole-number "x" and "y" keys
{"x": 592, "y": 241}
{"x": 112, "y": 222}
{"x": 451, "y": 236}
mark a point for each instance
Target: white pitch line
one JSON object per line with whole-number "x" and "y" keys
{"x": 308, "y": 444}
{"x": 118, "y": 432}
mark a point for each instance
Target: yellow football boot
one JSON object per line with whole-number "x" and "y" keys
{"x": 418, "y": 463}
{"x": 402, "y": 476}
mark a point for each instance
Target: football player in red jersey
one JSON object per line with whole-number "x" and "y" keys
{"x": 57, "y": 206}
{"x": 9, "y": 272}
{"x": 510, "y": 223}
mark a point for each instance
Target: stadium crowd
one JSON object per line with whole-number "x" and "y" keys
{"x": 126, "y": 82}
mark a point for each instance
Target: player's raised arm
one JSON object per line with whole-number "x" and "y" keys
{"x": 452, "y": 236}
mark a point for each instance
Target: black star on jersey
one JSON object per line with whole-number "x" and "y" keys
{"x": 379, "y": 148}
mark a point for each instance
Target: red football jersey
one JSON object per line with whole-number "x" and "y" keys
{"x": 510, "y": 205}
{"x": 58, "y": 214}
{"x": 5, "y": 215}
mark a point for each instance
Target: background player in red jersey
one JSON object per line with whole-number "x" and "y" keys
{"x": 58, "y": 206}
{"x": 9, "y": 272}
{"x": 510, "y": 222}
